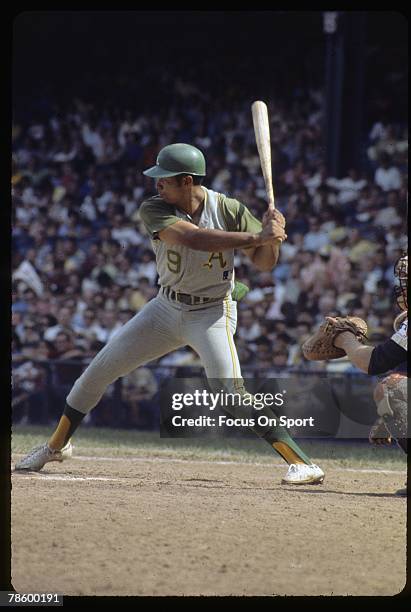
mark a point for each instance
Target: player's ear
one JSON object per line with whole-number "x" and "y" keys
{"x": 188, "y": 180}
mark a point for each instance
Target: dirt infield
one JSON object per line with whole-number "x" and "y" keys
{"x": 135, "y": 526}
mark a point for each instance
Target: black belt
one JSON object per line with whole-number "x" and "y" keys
{"x": 185, "y": 298}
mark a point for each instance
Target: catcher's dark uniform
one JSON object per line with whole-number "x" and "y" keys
{"x": 392, "y": 354}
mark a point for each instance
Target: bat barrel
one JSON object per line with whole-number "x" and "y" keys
{"x": 261, "y": 124}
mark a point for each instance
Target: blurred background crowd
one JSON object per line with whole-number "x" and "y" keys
{"x": 82, "y": 263}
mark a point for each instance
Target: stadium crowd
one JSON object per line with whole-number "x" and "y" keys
{"x": 82, "y": 262}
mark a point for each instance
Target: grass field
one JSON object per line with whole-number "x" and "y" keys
{"x": 134, "y": 514}
{"x": 120, "y": 442}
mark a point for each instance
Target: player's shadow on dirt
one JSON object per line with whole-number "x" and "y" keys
{"x": 322, "y": 491}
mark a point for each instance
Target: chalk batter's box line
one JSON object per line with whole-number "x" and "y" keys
{"x": 205, "y": 462}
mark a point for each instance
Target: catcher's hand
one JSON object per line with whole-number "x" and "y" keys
{"x": 379, "y": 433}
{"x": 320, "y": 346}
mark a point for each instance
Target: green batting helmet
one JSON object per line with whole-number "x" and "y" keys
{"x": 176, "y": 159}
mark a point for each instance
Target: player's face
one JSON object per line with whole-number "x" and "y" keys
{"x": 170, "y": 190}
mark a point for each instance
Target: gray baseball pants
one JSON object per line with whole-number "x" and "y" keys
{"x": 160, "y": 327}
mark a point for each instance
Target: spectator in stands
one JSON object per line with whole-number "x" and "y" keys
{"x": 387, "y": 176}
{"x": 315, "y": 237}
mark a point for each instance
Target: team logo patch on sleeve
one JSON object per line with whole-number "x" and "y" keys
{"x": 227, "y": 274}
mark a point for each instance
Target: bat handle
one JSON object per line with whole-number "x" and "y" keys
{"x": 271, "y": 203}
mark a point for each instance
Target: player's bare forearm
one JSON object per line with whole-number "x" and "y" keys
{"x": 266, "y": 256}
{"x": 210, "y": 240}
{"x": 357, "y": 353}
{"x": 218, "y": 240}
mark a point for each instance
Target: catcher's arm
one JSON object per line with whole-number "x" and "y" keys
{"x": 369, "y": 359}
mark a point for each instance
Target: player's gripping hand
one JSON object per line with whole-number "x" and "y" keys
{"x": 272, "y": 233}
{"x": 274, "y": 215}
{"x": 273, "y": 228}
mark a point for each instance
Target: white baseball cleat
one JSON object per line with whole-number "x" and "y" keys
{"x": 301, "y": 473}
{"x": 40, "y": 455}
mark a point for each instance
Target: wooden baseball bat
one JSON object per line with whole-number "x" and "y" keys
{"x": 262, "y": 136}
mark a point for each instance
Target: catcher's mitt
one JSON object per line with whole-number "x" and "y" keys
{"x": 320, "y": 346}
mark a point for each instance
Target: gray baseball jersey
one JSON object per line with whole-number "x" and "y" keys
{"x": 196, "y": 272}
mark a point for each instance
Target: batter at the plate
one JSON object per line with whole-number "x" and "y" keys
{"x": 194, "y": 232}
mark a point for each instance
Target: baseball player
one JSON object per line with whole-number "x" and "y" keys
{"x": 390, "y": 393}
{"x": 194, "y": 232}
